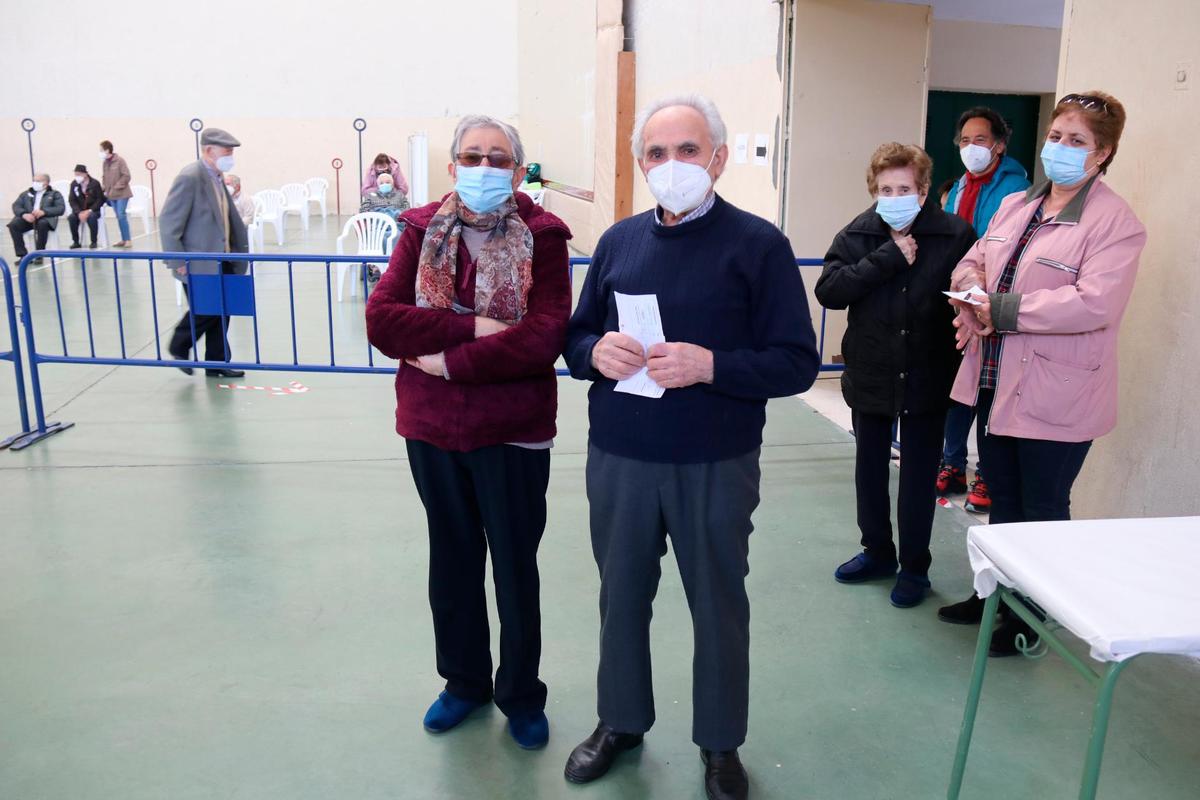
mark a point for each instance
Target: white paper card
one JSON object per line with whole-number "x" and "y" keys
{"x": 968, "y": 296}
{"x": 637, "y": 316}
{"x": 741, "y": 146}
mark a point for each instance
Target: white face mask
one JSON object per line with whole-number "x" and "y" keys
{"x": 679, "y": 186}
{"x": 38, "y": 186}
{"x": 104, "y": 156}
{"x": 229, "y": 188}
{"x": 225, "y": 163}
{"x": 79, "y": 179}
{"x": 975, "y": 157}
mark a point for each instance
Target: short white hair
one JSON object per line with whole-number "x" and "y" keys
{"x": 474, "y": 121}
{"x": 706, "y": 107}
{"x": 384, "y": 176}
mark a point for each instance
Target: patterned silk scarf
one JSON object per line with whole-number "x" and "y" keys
{"x": 503, "y": 266}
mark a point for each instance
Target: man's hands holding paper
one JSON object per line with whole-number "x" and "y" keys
{"x": 618, "y": 356}
{"x": 672, "y": 365}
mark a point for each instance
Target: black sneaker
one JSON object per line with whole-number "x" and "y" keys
{"x": 968, "y": 612}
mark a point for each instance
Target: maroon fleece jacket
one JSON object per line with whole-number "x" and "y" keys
{"x": 502, "y": 388}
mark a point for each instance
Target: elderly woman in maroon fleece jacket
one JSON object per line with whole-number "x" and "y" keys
{"x": 475, "y": 304}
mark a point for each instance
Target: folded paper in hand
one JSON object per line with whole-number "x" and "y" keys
{"x": 969, "y": 295}
{"x": 637, "y": 316}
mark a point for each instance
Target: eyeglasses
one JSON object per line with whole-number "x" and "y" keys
{"x": 1090, "y": 102}
{"x": 497, "y": 159}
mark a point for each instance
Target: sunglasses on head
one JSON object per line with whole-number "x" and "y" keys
{"x": 497, "y": 159}
{"x": 1090, "y": 102}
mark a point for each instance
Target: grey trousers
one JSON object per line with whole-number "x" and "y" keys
{"x": 705, "y": 509}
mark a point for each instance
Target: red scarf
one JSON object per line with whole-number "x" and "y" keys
{"x": 970, "y": 192}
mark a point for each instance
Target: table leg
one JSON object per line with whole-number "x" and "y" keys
{"x": 968, "y": 724}
{"x": 1095, "y": 753}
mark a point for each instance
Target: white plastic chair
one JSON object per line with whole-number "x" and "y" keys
{"x": 273, "y": 203}
{"x": 317, "y": 189}
{"x": 296, "y": 200}
{"x": 254, "y": 231}
{"x": 140, "y": 205}
{"x": 535, "y": 195}
{"x": 376, "y": 233}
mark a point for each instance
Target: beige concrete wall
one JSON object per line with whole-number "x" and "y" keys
{"x": 287, "y": 78}
{"x": 556, "y": 75}
{"x": 728, "y": 50}
{"x": 859, "y": 79}
{"x": 1134, "y": 50}
{"x": 988, "y": 57}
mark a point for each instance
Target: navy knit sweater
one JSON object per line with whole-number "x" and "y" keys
{"x": 727, "y": 282}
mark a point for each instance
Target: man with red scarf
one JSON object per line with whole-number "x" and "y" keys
{"x": 982, "y": 138}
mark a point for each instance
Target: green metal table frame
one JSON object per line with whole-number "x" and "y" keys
{"x": 1104, "y": 682}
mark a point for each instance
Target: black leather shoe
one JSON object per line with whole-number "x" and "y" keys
{"x": 75, "y": 246}
{"x": 724, "y": 776}
{"x": 968, "y": 612}
{"x": 1004, "y": 638}
{"x": 223, "y": 373}
{"x": 181, "y": 357}
{"x": 593, "y": 757}
{"x": 93, "y": 246}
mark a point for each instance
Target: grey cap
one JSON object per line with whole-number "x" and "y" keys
{"x": 218, "y": 137}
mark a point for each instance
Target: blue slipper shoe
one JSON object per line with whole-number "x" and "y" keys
{"x": 909, "y": 590}
{"x": 864, "y": 567}
{"x": 448, "y": 711}
{"x": 530, "y": 730}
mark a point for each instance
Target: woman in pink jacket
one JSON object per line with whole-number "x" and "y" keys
{"x": 1040, "y": 362}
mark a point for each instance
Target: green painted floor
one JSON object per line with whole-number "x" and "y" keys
{"x": 207, "y": 593}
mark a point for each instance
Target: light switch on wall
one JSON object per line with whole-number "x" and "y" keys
{"x": 760, "y": 149}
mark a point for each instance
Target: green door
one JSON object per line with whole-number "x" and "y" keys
{"x": 1020, "y": 110}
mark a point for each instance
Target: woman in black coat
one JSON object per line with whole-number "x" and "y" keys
{"x": 889, "y": 267}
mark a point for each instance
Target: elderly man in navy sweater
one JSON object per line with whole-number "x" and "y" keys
{"x": 684, "y": 464}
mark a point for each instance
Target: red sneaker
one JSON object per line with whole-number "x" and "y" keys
{"x": 951, "y": 480}
{"x": 978, "y": 499}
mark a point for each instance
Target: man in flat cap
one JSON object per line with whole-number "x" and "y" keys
{"x": 86, "y": 200}
{"x": 198, "y": 216}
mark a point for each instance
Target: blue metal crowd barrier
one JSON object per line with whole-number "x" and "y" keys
{"x": 13, "y": 354}
{"x": 226, "y": 295}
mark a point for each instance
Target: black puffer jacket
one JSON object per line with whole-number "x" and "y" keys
{"x": 899, "y": 344}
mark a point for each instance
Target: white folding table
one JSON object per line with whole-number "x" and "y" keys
{"x": 1126, "y": 587}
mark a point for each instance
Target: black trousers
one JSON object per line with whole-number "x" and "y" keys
{"x": 705, "y": 509}
{"x": 212, "y": 328}
{"x": 19, "y": 227}
{"x": 920, "y": 455}
{"x": 1029, "y": 480}
{"x": 490, "y": 499}
{"x": 93, "y": 223}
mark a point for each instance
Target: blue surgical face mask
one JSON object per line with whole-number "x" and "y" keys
{"x": 898, "y": 212}
{"x": 384, "y": 188}
{"x": 1063, "y": 164}
{"x": 483, "y": 189}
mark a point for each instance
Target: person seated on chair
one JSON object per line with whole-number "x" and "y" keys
{"x": 87, "y": 198}
{"x": 384, "y": 199}
{"x": 242, "y": 201}
{"x": 37, "y": 209}
{"x": 384, "y": 163}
